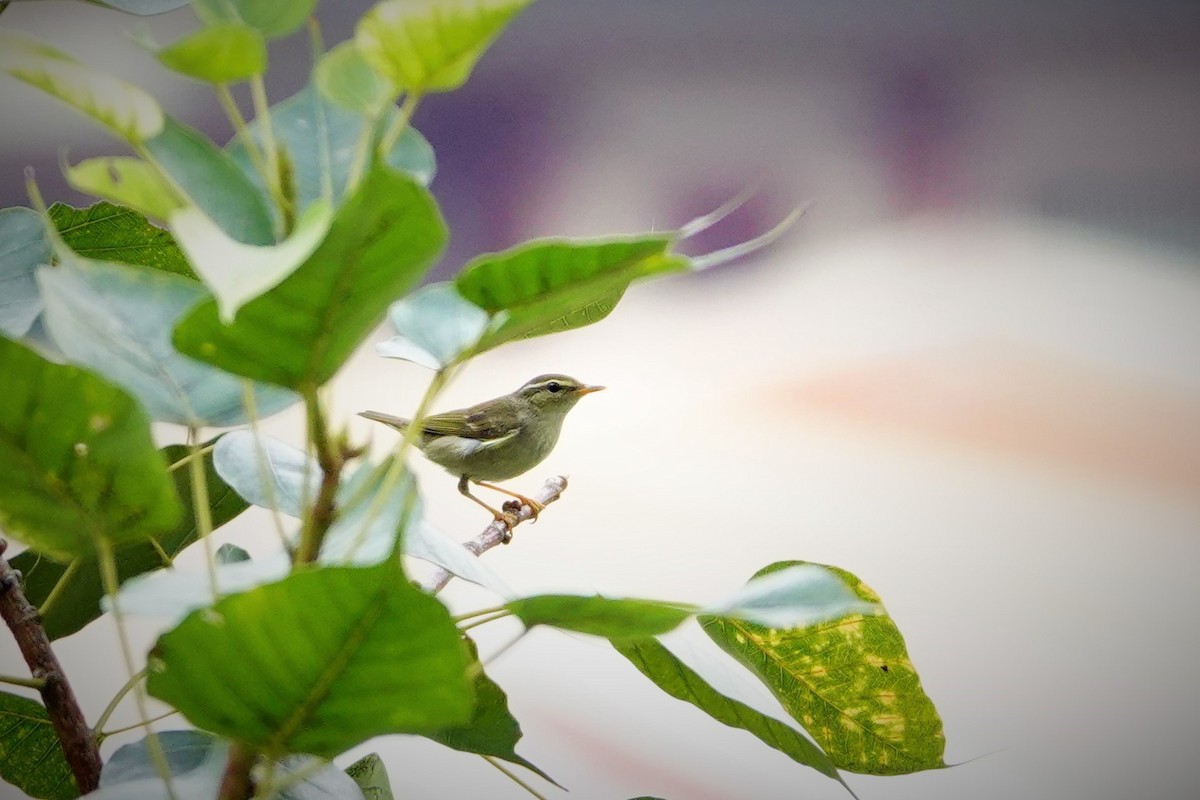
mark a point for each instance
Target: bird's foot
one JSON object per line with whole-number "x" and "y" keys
{"x": 534, "y": 506}
{"x": 508, "y": 518}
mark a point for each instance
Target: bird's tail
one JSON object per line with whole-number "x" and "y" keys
{"x": 399, "y": 423}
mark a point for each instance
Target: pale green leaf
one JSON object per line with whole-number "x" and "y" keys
{"x": 23, "y": 246}
{"x": 432, "y": 45}
{"x": 272, "y": 18}
{"x": 435, "y": 325}
{"x": 126, "y": 110}
{"x": 126, "y": 181}
{"x": 849, "y": 682}
{"x": 317, "y": 663}
{"x": 77, "y": 464}
{"x": 371, "y": 776}
{"x": 222, "y": 53}
{"x": 347, "y": 80}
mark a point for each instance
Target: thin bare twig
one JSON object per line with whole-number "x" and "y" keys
{"x": 498, "y": 533}
{"x": 80, "y": 749}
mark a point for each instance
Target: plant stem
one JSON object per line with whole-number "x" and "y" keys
{"x": 242, "y": 129}
{"x": 203, "y": 451}
{"x": 116, "y": 700}
{"x": 59, "y": 587}
{"x": 513, "y": 777}
{"x": 262, "y": 112}
{"x": 398, "y": 124}
{"x": 237, "y": 782}
{"x": 203, "y": 513}
{"x": 28, "y": 683}
{"x": 485, "y": 619}
{"x": 331, "y": 459}
{"x": 79, "y": 748}
{"x": 137, "y": 725}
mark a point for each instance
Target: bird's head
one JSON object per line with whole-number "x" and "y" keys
{"x": 555, "y": 392}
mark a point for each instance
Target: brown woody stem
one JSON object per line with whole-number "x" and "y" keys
{"x": 79, "y": 747}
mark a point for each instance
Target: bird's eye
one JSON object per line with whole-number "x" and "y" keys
{"x": 553, "y": 386}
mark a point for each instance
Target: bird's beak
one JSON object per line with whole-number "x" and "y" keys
{"x": 582, "y": 390}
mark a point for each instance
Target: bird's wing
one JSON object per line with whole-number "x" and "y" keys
{"x": 466, "y": 423}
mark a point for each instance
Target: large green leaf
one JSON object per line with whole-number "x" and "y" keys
{"x": 555, "y": 285}
{"x": 210, "y": 180}
{"x": 299, "y": 333}
{"x": 23, "y": 246}
{"x": 426, "y": 46}
{"x": 317, "y": 663}
{"x": 76, "y": 460}
{"x": 848, "y": 682}
{"x": 270, "y": 17}
{"x": 223, "y": 53}
{"x": 111, "y": 233}
{"x": 493, "y": 730}
{"x": 78, "y": 601}
{"x": 126, "y": 110}
{"x": 31, "y": 758}
{"x": 678, "y": 680}
{"x": 322, "y": 140}
{"x": 613, "y": 618}
{"x": 126, "y": 181}
{"x": 118, "y": 320}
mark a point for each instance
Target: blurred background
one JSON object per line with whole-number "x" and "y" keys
{"x": 970, "y": 374}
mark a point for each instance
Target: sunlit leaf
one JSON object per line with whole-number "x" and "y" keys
{"x": 612, "y": 618}
{"x": 848, "y": 682}
{"x": 31, "y": 758}
{"x": 432, "y": 45}
{"x": 317, "y": 663}
{"x": 209, "y": 179}
{"x": 223, "y": 53}
{"x": 302, "y": 331}
{"x": 118, "y": 320}
{"x": 555, "y": 285}
{"x": 272, "y": 18}
{"x": 76, "y": 460}
{"x": 127, "y": 182}
{"x": 679, "y": 681}
{"x": 110, "y": 233}
{"x": 80, "y": 590}
{"x": 322, "y": 141}
{"x": 23, "y": 245}
{"x": 346, "y": 79}
{"x": 237, "y": 273}
{"x": 126, "y": 110}
{"x": 435, "y": 326}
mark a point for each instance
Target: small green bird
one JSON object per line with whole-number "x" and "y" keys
{"x": 497, "y": 439}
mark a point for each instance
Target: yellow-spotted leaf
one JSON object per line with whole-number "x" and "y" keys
{"x": 125, "y": 109}
{"x": 432, "y": 45}
{"x": 848, "y": 681}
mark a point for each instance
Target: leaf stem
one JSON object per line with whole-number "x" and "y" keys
{"x": 79, "y": 748}
{"x": 203, "y": 513}
{"x": 398, "y": 124}
{"x": 59, "y": 587}
{"x": 331, "y": 459}
{"x": 203, "y": 451}
{"x": 264, "y": 467}
{"x": 242, "y": 129}
{"x": 137, "y": 725}
{"x": 28, "y": 683}
{"x": 513, "y": 777}
{"x": 262, "y": 113}
{"x": 481, "y": 612}
{"x": 484, "y": 620}
{"x": 116, "y": 700}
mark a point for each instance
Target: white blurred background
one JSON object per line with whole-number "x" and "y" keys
{"x": 970, "y": 375}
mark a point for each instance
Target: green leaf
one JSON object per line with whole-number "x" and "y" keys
{"x": 237, "y": 273}
{"x": 78, "y": 601}
{"x": 272, "y": 18}
{"x": 848, "y": 682}
{"x": 612, "y": 618}
{"x": 322, "y": 140}
{"x": 126, "y": 110}
{"x": 427, "y": 46}
{"x": 127, "y": 182}
{"x": 317, "y": 663}
{"x": 31, "y": 758}
{"x": 493, "y": 730}
{"x": 111, "y": 233}
{"x": 230, "y": 553}
{"x": 555, "y": 285}
{"x": 347, "y": 80}
{"x": 436, "y": 327}
{"x": 299, "y": 333}
{"x": 118, "y": 320}
{"x": 223, "y": 53}
{"x": 210, "y": 180}
{"x": 678, "y": 680}
{"x": 23, "y": 246}
{"x": 371, "y": 776}
{"x": 76, "y": 460}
